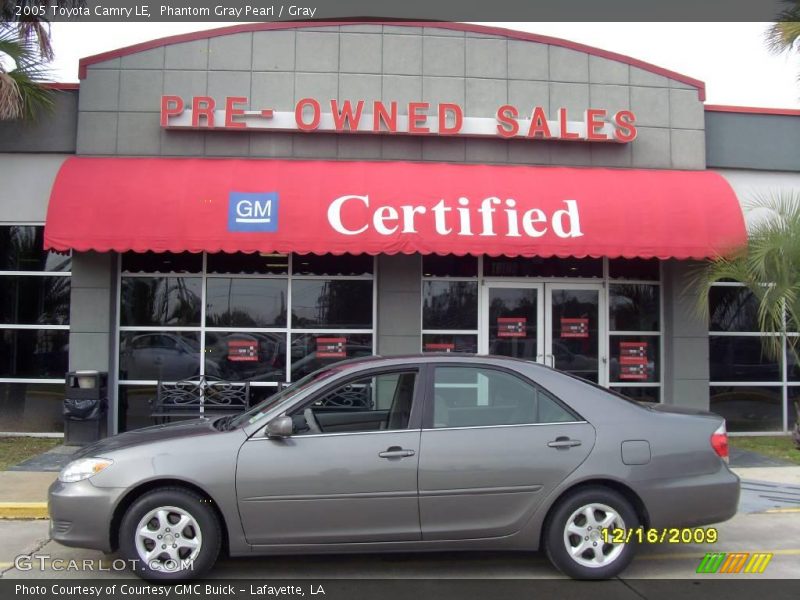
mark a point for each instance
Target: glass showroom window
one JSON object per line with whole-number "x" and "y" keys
{"x": 752, "y": 391}
{"x": 34, "y": 330}
{"x": 449, "y": 303}
{"x": 262, "y": 318}
{"x": 634, "y": 328}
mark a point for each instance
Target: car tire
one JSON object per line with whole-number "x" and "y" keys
{"x": 584, "y": 514}
{"x": 182, "y": 522}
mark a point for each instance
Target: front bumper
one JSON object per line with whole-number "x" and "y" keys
{"x": 81, "y": 514}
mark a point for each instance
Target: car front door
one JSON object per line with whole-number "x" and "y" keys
{"x": 347, "y": 474}
{"x": 494, "y": 446}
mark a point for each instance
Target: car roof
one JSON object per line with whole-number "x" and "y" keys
{"x": 438, "y": 357}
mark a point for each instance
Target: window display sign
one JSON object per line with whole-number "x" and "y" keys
{"x": 633, "y": 361}
{"x": 440, "y": 347}
{"x": 331, "y": 347}
{"x": 574, "y": 328}
{"x": 514, "y": 327}
{"x": 243, "y": 350}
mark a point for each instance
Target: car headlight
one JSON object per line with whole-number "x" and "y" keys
{"x": 83, "y": 468}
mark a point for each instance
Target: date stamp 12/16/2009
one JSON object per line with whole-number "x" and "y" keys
{"x": 667, "y": 535}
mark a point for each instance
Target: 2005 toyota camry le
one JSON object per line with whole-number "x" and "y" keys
{"x": 432, "y": 452}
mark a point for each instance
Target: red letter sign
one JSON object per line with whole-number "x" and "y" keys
{"x": 202, "y": 106}
{"x": 168, "y": 111}
{"x": 626, "y": 131}
{"x": 594, "y": 123}
{"x": 539, "y": 124}
{"x": 458, "y": 117}
{"x": 231, "y": 111}
{"x": 298, "y": 114}
{"x": 345, "y": 116}
{"x": 415, "y": 119}
{"x": 507, "y": 121}
{"x": 562, "y": 119}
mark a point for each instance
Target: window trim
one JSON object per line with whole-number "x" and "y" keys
{"x": 414, "y": 420}
{"x": 28, "y": 272}
{"x": 783, "y": 383}
{"x": 430, "y": 393}
{"x": 605, "y": 282}
{"x": 201, "y": 329}
{"x": 33, "y": 326}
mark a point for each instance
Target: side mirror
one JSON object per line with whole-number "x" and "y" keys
{"x": 282, "y": 427}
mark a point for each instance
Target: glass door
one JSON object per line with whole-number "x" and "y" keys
{"x": 515, "y": 320}
{"x": 561, "y": 325}
{"x": 574, "y": 339}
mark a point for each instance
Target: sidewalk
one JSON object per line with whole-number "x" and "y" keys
{"x": 23, "y": 494}
{"x": 784, "y": 475}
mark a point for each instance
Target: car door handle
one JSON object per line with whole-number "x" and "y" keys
{"x": 396, "y": 452}
{"x": 563, "y": 443}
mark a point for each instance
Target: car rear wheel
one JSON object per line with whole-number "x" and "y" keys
{"x": 170, "y": 534}
{"x": 578, "y": 538}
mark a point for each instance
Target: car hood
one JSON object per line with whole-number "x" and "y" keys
{"x": 147, "y": 435}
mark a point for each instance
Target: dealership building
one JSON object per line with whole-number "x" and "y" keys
{"x": 255, "y": 202}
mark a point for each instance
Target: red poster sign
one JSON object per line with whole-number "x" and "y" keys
{"x": 574, "y": 328}
{"x": 243, "y": 350}
{"x": 512, "y": 327}
{"x": 633, "y": 361}
{"x": 334, "y": 347}
{"x": 440, "y": 347}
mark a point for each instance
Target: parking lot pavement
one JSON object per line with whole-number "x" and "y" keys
{"x": 775, "y": 532}
{"x": 21, "y": 537}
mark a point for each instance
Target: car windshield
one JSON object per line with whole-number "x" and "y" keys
{"x": 259, "y": 410}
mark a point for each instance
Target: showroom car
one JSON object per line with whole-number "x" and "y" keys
{"x": 402, "y": 454}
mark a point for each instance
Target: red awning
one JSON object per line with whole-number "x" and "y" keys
{"x": 213, "y": 205}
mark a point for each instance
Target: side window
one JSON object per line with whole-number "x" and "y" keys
{"x": 474, "y": 397}
{"x": 373, "y": 403}
{"x": 550, "y": 410}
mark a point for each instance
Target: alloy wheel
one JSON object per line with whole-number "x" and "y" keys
{"x": 167, "y": 538}
{"x": 584, "y": 539}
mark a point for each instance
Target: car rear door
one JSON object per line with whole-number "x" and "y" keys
{"x": 494, "y": 445}
{"x": 354, "y": 481}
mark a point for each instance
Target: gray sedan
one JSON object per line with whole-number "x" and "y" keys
{"x": 433, "y": 452}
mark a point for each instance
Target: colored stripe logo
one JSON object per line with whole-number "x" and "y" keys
{"x": 734, "y": 562}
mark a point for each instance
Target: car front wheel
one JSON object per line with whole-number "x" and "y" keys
{"x": 578, "y": 536}
{"x": 170, "y": 534}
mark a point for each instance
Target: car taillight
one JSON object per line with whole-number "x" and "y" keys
{"x": 719, "y": 442}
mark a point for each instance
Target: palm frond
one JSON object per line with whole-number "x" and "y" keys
{"x": 38, "y": 33}
{"x": 10, "y": 98}
{"x": 35, "y": 97}
{"x": 21, "y": 92}
{"x": 784, "y": 35}
{"x": 769, "y": 266}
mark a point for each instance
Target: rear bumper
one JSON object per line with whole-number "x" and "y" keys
{"x": 80, "y": 514}
{"x": 693, "y": 501}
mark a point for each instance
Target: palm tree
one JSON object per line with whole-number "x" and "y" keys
{"x": 769, "y": 268}
{"x": 22, "y": 94}
{"x": 25, "y": 50}
{"x": 784, "y": 35}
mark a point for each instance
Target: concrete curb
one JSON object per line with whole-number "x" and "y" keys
{"x": 23, "y": 510}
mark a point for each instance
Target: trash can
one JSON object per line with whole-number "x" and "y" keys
{"x": 85, "y": 405}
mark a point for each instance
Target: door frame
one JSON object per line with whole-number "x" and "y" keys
{"x": 544, "y": 315}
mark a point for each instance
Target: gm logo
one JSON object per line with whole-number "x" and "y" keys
{"x": 253, "y": 212}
